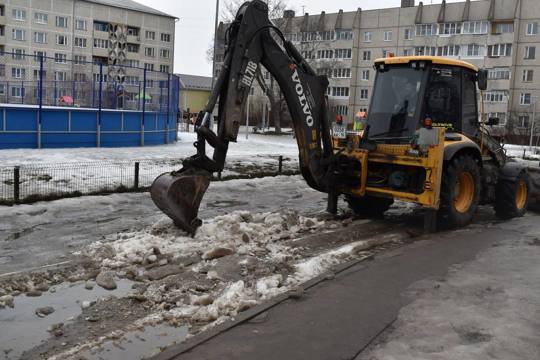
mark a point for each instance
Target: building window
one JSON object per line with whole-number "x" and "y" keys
{"x": 368, "y": 35}
{"x": 19, "y": 15}
{"x": 344, "y": 35}
{"x": 80, "y": 24}
{"x": 498, "y": 73}
{"x": 523, "y": 121}
{"x": 308, "y": 55}
{"x": 407, "y": 34}
{"x": 426, "y": 29}
{"x": 499, "y": 50}
{"x": 475, "y": 50}
{"x": 340, "y": 110}
{"x": 528, "y": 75}
{"x": 407, "y": 52}
{"x": 388, "y": 35}
{"x": 448, "y": 50}
{"x": 166, "y": 37}
{"x": 18, "y": 54}
{"x": 340, "y": 91}
{"x": 450, "y": 29}
{"x": 79, "y": 59}
{"x": 60, "y": 58}
{"x": 60, "y": 76}
{"x": 164, "y": 53}
{"x": 101, "y": 43}
{"x": 343, "y": 73}
{"x": 164, "y": 68}
{"x": 17, "y": 91}
{"x": 18, "y": 73}
{"x": 18, "y": 34}
{"x": 133, "y": 31}
{"x": 101, "y": 26}
{"x": 367, "y": 55}
{"x": 495, "y": 96}
{"x": 292, "y": 37}
{"x": 363, "y": 94}
{"x": 149, "y": 67}
{"x": 62, "y": 40}
{"x": 150, "y": 35}
{"x": 41, "y": 18}
{"x": 80, "y": 42}
{"x": 503, "y": 28}
{"x": 475, "y": 27}
{"x": 386, "y": 53}
{"x": 530, "y": 52}
{"x": 62, "y": 21}
{"x": 343, "y": 54}
{"x": 425, "y": 51}
{"x": 532, "y": 28}
{"x": 132, "y": 80}
{"x": 132, "y": 48}
{"x": 365, "y": 75}
{"x": 149, "y": 51}
{"x": 40, "y": 37}
{"x": 525, "y": 99}
{"x": 38, "y": 55}
{"x": 325, "y": 54}
{"x": 499, "y": 115}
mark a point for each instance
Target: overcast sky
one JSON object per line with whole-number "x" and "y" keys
{"x": 195, "y": 27}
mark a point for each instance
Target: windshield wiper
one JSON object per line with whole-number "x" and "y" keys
{"x": 388, "y": 133}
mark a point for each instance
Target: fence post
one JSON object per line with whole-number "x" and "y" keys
{"x": 168, "y": 108}
{"x": 280, "y": 165}
{"x": 143, "y": 106}
{"x": 100, "y": 104}
{"x": 40, "y": 109}
{"x": 16, "y": 184}
{"x": 22, "y": 92}
{"x": 136, "y": 178}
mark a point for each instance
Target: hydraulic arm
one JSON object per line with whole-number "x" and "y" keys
{"x": 252, "y": 41}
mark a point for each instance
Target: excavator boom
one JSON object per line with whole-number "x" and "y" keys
{"x": 252, "y": 40}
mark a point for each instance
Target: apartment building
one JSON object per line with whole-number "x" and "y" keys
{"x": 123, "y": 35}
{"x": 498, "y": 35}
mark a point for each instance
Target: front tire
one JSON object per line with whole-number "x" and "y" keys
{"x": 512, "y": 196}
{"x": 369, "y": 206}
{"x": 460, "y": 192}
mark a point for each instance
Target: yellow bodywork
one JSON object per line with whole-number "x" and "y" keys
{"x": 433, "y": 59}
{"x": 432, "y": 161}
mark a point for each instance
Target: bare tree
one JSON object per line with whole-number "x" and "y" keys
{"x": 271, "y": 90}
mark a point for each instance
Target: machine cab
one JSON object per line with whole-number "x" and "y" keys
{"x": 412, "y": 91}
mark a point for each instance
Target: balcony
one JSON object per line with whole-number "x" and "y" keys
{"x": 133, "y": 39}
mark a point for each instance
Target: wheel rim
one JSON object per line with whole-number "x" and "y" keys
{"x": 464, "y": 192}
{"x": 521, "y": 194}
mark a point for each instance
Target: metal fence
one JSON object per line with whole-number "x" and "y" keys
{"x": 30, "y": 183}
{"x": 97, "y": 83}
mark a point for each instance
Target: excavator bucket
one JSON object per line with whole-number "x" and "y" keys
{"x": 179, "y": 195}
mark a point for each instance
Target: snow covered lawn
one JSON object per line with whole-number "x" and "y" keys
{"x": 91, "y": 170}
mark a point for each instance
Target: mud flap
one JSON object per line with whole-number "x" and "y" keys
{"x": 534, "y": 201}
{"x": 179, "y": 195}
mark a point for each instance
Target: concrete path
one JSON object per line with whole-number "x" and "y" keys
{"x": 339, "y": 318}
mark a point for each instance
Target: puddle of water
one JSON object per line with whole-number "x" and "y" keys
{"x": 138, "y": 344}
{"x": 22, "y": 329}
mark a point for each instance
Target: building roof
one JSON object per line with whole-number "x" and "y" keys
{"x": 130, "y": 5}
{"x": 433, "y": 59}
{"x": 195, "y": 82}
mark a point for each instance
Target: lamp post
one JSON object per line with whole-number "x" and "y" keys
{"x": 532, "y": 126}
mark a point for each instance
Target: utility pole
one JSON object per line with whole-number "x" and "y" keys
{"x": 215, "y": 43}
{"x": 532, "y": 128}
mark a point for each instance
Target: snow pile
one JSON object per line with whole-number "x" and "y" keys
{"x": 240, "y": 232}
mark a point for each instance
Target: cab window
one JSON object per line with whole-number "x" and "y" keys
{"x": 442, "y": 98}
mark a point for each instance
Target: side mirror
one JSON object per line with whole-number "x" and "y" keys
{"x": 482, "y": 79}
{"x": 493, "y": 121}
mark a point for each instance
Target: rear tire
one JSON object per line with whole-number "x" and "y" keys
{"x": 368, "y": 206}
{"x": 460, "y": 192}
{"x": 512, "y": 196}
